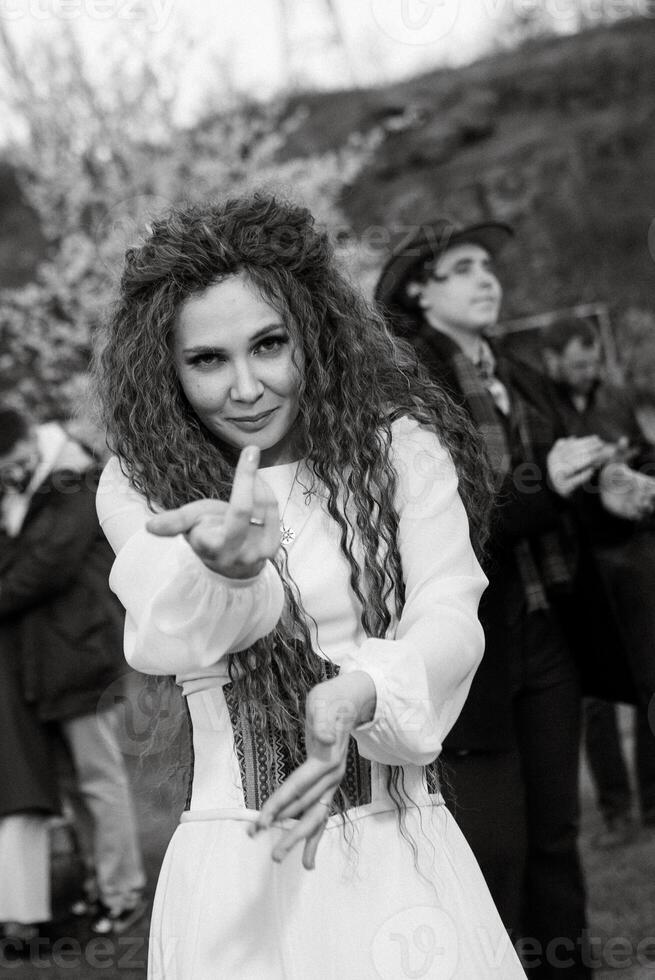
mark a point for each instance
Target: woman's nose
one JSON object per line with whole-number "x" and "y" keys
{"x": 246, "y": 386}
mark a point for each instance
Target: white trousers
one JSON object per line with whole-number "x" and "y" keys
{"x": 25, "y": 864}
{"x": 104, "y": 809}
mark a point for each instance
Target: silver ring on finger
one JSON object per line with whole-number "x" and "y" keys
{"x": 256, "y": 522}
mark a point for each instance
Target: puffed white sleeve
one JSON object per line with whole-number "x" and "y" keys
{"x": 180, "y": 616}
{"x": 423, "y": 674}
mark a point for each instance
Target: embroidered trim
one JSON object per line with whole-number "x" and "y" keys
{"x": 264, "y": 762}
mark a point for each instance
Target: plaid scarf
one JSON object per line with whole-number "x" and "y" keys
{"x": 483, "y": 409}
{"x": 546, "y": 561}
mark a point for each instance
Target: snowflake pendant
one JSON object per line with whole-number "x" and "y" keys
{"x": 287, "y": 534}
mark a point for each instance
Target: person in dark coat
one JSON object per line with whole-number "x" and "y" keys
{"x": 60, "y": 651}
{"x": 511, "y": 760}
{"x": 621, "y": 543}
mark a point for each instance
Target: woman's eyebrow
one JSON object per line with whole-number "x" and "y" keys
{"x": 215, "y": 349}
{"x": 267, "y": 329}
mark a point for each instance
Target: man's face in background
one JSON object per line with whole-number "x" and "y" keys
{"x": 18, "y": 465}
{"x": 463, "y": 292}
{"x": 577, "y": 367}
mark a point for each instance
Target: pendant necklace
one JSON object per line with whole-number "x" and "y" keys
{"x": 287, "y": 533}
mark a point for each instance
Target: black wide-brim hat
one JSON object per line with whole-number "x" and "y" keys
{"x": 430, "y": 241}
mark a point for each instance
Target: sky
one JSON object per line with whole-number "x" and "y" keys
{"x": 244, "y": 39}
{"x": 243, "y": 42}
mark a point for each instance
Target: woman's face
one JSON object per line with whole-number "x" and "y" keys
{"x": 240, "y": 368}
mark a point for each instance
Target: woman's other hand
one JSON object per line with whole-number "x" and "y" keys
{"x": 236, "y": 538}
{"x": 334, "y": 708}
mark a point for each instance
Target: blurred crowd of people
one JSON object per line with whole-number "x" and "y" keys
{"x": 60, "y": 651}
{"x": 568, "y": 617}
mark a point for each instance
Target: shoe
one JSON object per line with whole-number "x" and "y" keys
{"x": 22, "y": 931}
{"x": 82, "y": 907}
{"x": 618, "y": 831}
{"x": 107, "y": 922}
{"x": 86, "y": 903}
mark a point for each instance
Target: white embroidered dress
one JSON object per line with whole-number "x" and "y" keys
{"x": 372, "y": 908}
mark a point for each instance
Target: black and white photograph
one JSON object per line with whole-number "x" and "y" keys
{"x": 327, "y": 489}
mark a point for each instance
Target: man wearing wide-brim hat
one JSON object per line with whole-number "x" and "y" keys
{"x": 512, "y": 757}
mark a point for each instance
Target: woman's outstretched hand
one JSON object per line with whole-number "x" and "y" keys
{"x": 334, "y": 708}
{"x": 236, "y": 538}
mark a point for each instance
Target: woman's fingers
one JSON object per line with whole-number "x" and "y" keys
{"x": 312, "y": 842}
{"x": 304, "y": 786}
{"x": 207, "y": 537}
{"x": 240, "y": 507}
{"x": 266, "y": 509}
{"x": 310, "y": 828}
{"x": 326, "y": 787}
{"x": 235, "y": 538}
{"x": 243, "y": 488}
{"x": 332, "y": 709}
{"x": 253, "y": 512}
{"x": 183, "y": 519}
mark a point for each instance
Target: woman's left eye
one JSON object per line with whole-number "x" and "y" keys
{"x": 270, "y": 345}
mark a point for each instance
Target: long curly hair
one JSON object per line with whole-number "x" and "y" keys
{"x": 357, "y": 380}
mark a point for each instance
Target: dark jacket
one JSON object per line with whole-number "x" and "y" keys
{"x": 485, "y": 722}
{"x": 621, "y": 553}
{"x": 58, "y": 620}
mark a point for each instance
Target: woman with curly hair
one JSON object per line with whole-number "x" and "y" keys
{"x": 288, "y": 503}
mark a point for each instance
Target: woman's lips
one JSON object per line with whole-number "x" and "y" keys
{"x": 252, "y": 423}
